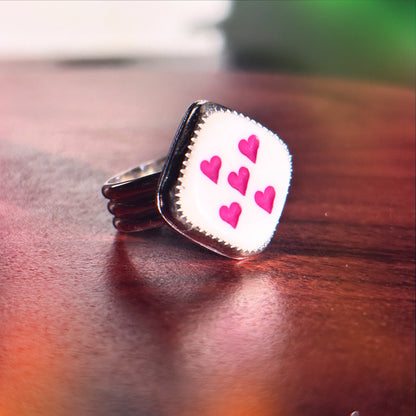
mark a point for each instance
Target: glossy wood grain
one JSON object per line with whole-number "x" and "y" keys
{"x": 98, "y": 323}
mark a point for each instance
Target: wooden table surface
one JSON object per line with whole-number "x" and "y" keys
{"x": 97, "y": 323}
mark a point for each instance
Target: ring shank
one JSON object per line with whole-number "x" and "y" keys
{"x": 132, "y": 196}
{"x": 145, "y": 169}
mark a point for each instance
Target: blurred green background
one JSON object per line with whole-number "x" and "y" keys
{"x": 364, "y": 39}
{"x": 373, "y": 40}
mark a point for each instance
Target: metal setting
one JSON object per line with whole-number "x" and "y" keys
{"x": 229, "y": 211}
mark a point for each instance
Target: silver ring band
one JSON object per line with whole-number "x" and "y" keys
{"x": 132, "y": 196}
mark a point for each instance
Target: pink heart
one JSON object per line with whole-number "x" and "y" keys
{"x": 231, "y": 214}
{"x": 249, "y": 147}
{"x": 265, "y": 199}
{"x": 239, "y": 181}
{"x": 211, "y": 168}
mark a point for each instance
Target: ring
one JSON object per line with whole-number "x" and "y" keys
{"x": 223, "y": 184}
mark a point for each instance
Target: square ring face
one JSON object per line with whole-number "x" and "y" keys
{"x": 226, "y": 180}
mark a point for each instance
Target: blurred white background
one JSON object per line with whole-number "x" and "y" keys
{"x": 112, "y": 29}
{"x": 367, "y": 39}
